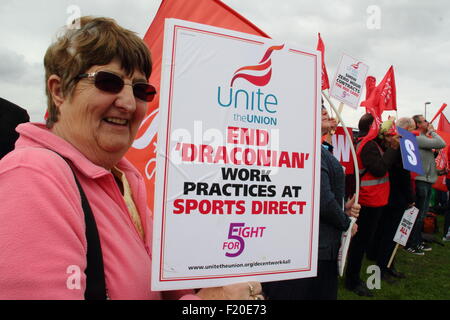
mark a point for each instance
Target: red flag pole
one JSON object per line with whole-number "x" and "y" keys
{"x": 439, "y": 112}
{"x": 340, "y": 108}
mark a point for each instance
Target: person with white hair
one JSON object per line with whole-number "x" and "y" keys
{"x": 428, "y": 141}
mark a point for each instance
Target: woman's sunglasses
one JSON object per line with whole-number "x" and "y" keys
{"x": 110, "y": 82}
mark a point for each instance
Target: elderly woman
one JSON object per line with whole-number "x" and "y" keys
{"x": 74, "y": 221}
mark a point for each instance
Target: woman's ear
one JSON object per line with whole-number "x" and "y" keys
{"x": 55, "y": 89}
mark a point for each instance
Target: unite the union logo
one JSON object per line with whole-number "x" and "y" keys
{"x": 252, "y": 104}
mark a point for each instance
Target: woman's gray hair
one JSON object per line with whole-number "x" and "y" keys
{"x": 405, "y": 123}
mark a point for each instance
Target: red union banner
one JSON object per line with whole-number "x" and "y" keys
{"x": 211, "y": 12}
{"x": 341, "y": 149}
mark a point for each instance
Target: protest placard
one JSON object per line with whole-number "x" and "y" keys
{"x": 406, "y": 225}
{"x": 345, "y": 245}
{"x": 348, "y": 82}
{"x": 238, "y": 165}
{"x": 410, "y": 151}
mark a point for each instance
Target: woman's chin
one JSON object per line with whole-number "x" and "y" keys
{"x": 116, "y": 147}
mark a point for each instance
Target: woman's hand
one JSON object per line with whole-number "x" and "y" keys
{"x": 352, "y": 208}
{"x": 239, "y": 291}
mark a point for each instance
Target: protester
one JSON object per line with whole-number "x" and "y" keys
{"x": 374, "y": 161}
{"x": 401, "y": 197}
{"x": 11, "y": 115}
{"x": 334, "y": 219}
{"x": 97, "y": 91}
{"x": 427, "y": 140}
{"x": 446, "y": 228}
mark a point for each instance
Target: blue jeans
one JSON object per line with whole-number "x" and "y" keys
{"x": 423, "y": 197}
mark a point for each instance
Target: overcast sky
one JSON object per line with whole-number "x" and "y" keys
{"x": 412, "y": 35}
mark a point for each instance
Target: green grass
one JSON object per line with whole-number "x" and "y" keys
{"x": 427, "y": 277}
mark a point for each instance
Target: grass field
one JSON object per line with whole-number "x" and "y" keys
{"x": 427, "y": 277}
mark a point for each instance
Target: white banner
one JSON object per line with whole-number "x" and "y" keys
{"x": 405, "y": 226}
{"x": 238, "y": 165}
{"x": 345, "y": 245}
{"x": 349, "y": 80}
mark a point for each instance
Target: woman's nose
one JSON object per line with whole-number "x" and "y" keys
{"x": 125, "y": 99}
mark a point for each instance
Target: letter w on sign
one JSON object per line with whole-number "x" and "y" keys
{"x": 341, "y": 149}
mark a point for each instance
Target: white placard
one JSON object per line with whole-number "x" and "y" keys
{"x": 349, "y": 80}
{"x": 238, "y": 165}
{"x": 345, "y": 245}
{"x": 405, "y": 226}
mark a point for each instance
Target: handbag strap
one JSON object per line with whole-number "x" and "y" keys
{"x": 95, "y": 272}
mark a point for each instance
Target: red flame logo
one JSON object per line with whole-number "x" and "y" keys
{"x": 356, "y": 65}
{"x": 264, "y": 65}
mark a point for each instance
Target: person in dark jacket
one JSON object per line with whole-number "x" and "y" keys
{"x": 376, "y": 159}
{"x": 401, "y": 197}
{"x": 11, "y": 116}
{"x": 334, "y": 219}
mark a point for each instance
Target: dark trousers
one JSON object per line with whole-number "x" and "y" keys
{"x": 446, "y": 230}
{"x": 322, "y": 287}
{"x": 367, "y": 225}
{"x": 389, "y": 221}
{"x": 423, "y": 197}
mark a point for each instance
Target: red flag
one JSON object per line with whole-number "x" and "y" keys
{"x": 443, "y": 130}
{"x": 383, "y": 97}
{"x": 370, "y": 85}
{"x": 388, "y": 99}
{"x": 321, "y": 48}
{"x": 373, "y": 131}
{"x": 212, "y": 12}
{"x": 443, "y": 124}
{"x": 441, "y": 164}
{"x": 439, "y": 112}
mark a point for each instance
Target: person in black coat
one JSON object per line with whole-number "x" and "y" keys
{"x": 401, "y": 197}
{"x": 377, "y": 162}
{"x": 11, "y": 116}
{"x": 334, "y": 219}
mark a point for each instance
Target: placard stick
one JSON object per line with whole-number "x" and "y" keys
{"x": 393, "y": 255}
{"x": 352, "y": 148}
{"x": 340, "y": 108}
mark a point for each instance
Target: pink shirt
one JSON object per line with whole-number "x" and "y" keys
{"x": 42, "y": 229}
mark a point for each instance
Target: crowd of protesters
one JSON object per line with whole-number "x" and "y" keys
{"x": 386, "y": 191}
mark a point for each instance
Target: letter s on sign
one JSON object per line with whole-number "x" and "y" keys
{"x": 411, "y": 155}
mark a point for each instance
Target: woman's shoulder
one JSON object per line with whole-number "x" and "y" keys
{"x": 36, "y": 159}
